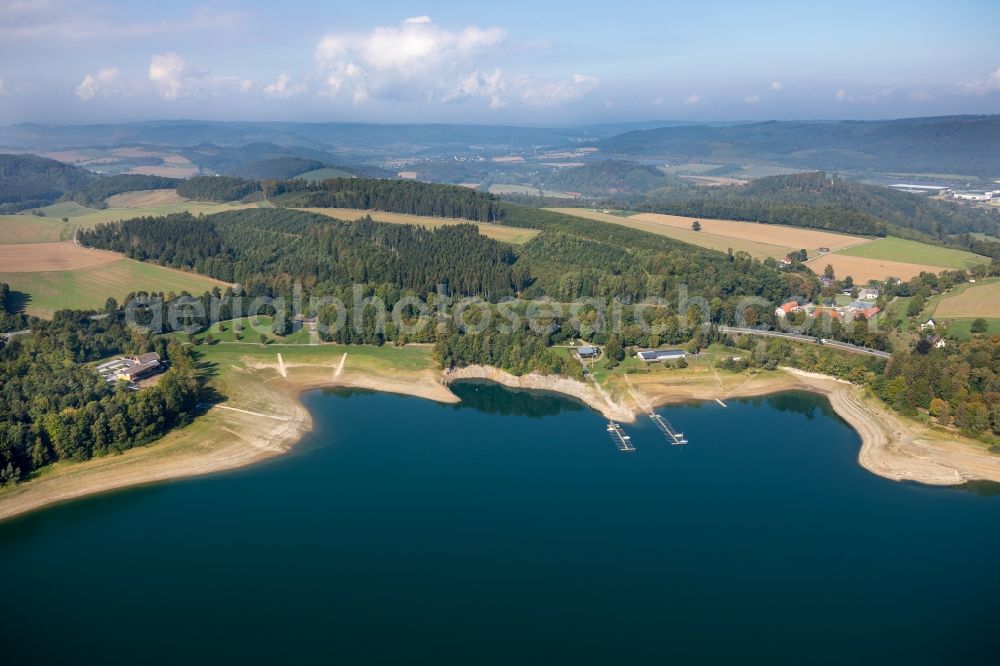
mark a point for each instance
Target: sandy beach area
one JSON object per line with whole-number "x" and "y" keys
{"x": 266, "y": 418}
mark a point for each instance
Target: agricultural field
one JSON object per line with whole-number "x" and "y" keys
{"x": 322, "y": 174}
{"x": 44, "y": 257}
{"x": 145, "y": 199}
{"x": 89, "y": 286}
{"x": 508, "y": 188}
{"x": 913, "y": 252}
{"x": 496, "y": 231}
{"x": 95, "y": 217}
{"x": 32, "y": 229}
{"x": 773, "y": 234}
{"x": 699, "y": 238}
{"x": 863, "y": 269}
{"x": 974, "y": 300}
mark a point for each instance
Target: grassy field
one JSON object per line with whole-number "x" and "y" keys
{"x": 252, "y": 328}
{"x": 913, "y": 252}
{"x": 971, "y": 300}
{"x": 496, "y": 231}
{"x": 323, "y": 174}
{"x": 32, "y": 229}
{"x": 89, "y": 288}
{"x": 699, "y": 238}
{"x": 961, "y": 327}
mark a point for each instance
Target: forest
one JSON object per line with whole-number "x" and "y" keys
{"x": 216, "y": 188}
{"x": 58, "y": 408}
{"x": 267, "y": 249}
{"x": 94, "y": 194}
{"x": 609, "y": 178}
{"x": 27, "y": 181}
{"x": 396, "y": 196}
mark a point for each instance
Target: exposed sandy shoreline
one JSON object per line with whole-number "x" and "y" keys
{"x": 233, "y": 436}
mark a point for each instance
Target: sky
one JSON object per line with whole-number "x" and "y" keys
{"x": 512, "y": 62}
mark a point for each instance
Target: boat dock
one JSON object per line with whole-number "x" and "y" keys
{"x": 618, "y": 436}
{"x": 667, "y": 429}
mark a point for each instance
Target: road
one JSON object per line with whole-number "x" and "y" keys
{"x": 846, "y": 346}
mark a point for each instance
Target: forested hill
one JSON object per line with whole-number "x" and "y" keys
{"x": 823, "y": 201}
{"x": 263, "y": 248}
{"x": 949, "y": 144}
{"x": 396, "y": 196}
{"x": 609, "y": 178}
{"x": 28, "y": 181}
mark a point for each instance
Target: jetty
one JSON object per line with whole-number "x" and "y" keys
{"x": 672, "y": 435}
{"x": 618, "y": 436}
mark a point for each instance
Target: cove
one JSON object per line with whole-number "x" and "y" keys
{"x": 509, "y": 529}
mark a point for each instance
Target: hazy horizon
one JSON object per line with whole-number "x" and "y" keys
{"x": 512, "y": 64}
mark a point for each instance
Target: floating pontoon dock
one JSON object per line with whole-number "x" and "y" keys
{"x": 668, "y": 430}
{"x": 621, "y": 440}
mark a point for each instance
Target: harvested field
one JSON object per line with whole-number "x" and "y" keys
{"x": 145, "y": 199}
{"x": 863, "y": 269}
{"x": 774, "y": 234}
{"x": 981, "y": 300}
{"x": 31, "y": 229}
{"x": 496, "y": 231}
{"x": 698, "y": 238}
{"x": 42, "y": 257}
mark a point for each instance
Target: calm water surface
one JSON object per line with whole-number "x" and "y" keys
{"x": 509, "y": 529}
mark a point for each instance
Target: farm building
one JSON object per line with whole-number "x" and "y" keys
{"x": 868, "y": 294}
{"x": 786, "y": 308}
{"x": 587, "y": 352}
{"x": 867, "y": 313}
{"x": 138, "y": 367}
{"x": 653, "y": 355}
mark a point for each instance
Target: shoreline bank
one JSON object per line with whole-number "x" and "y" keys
{"x": 274, "y": 420}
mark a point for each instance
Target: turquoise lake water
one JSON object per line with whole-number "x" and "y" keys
{"x": 509, "y": 529}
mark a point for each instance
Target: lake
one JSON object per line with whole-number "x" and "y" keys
{"x": 509, "y": 529}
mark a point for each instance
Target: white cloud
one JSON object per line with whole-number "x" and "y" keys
{"x": 172, "y": 78}
{"x": 777, "y": 86}
{"x": 657, "y": 101}
{"x": 752, "y": 99}
{"x": 166, "y": 72}
{"x": 841, "y": 95}
{"x": 921, "y": 96}
{"x": 692, "y": 100}
{"x": 1, "y": 87}
{"x": 107, "y": 82}
{"x": 284, "y": 87}
{"x": 981, "y": 86}
{"x": 418, "y": 60}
